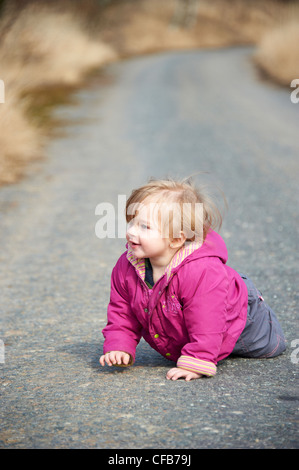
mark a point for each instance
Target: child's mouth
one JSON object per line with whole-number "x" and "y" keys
{"x": 134, "y": 245}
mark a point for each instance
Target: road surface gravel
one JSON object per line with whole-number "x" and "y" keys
{"x": 170, "y": 114}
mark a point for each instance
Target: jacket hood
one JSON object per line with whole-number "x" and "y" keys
{"x": 213, "y": 246}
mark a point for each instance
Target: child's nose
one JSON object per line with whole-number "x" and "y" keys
{"x": 132, "y": 230}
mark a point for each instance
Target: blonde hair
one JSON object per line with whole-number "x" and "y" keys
{"x": 174, "y": 195}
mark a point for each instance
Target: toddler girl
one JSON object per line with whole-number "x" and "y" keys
{"x": 173, "y": 288}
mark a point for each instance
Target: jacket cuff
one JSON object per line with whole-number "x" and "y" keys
{"x": 197, "y": 365}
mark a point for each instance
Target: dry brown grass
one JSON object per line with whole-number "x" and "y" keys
{"x": 40, "y": 49}
{"x": 278, "y": 53}
{"x": 43, "y": 48}
{"x": 218, "y": 23}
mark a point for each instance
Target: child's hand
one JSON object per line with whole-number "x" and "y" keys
{"x": 177, "y": 373}
{"x": 118, "y": 358}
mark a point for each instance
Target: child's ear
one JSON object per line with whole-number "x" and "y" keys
{"x": 178, "y": 242}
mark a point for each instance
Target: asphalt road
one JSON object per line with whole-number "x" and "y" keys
{"x": 170, "y": 114}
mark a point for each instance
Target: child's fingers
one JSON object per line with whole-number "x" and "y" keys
{"x": 126, "y": 358}
{"x": 118, "y": 357}
{"x": 173, "y": 374}
{"x": 122, "y": 357}
{"x": 177, "y": 373}
{"x": 102, "y": 360}
{"x": 192, "y": 376}
{"x": 111, "y": 359}
{"x": 115, "y": 358}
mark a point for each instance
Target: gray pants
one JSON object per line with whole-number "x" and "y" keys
{"x": 262, "y": 336}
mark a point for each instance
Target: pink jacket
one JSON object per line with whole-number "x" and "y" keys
{"x": 193, "y": 315}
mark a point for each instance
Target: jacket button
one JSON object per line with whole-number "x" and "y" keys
{"x": 156, "y": 336}
{"x": 146, "y": 310}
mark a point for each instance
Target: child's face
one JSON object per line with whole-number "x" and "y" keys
{"x": 145, "y": 237}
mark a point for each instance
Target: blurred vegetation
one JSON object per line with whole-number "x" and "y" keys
{"x": 48, "y": 48}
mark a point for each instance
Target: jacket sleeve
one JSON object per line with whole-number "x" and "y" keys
{"x": 204, "y": 308}
{"x": 123, "y": 331}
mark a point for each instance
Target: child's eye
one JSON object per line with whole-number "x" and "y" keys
{"x": 144, "y": 227}
{"x": 130, "y": 224}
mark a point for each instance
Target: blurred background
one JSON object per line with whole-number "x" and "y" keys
{"x": 49, "y": 48}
